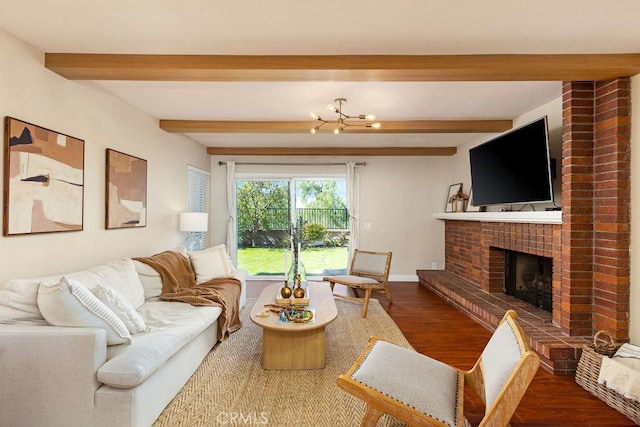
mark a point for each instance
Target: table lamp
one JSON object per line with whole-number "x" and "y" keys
{"x": 193, "y": 223}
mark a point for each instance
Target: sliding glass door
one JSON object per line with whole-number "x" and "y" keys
{"x": 267, "y": 209}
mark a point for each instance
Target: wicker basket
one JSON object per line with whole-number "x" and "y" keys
{"x": 589, "y": 370}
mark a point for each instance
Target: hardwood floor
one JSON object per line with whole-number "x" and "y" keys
{"x": 437, "y": 329}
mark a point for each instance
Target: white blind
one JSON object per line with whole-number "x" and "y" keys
{"x": 198, "y": 195}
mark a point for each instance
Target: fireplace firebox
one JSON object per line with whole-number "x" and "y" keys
{"x": 529, "y": 278}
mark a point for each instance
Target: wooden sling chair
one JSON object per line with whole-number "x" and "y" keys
{"x": 369, "y": 272}
{"x": 422, "y": 391}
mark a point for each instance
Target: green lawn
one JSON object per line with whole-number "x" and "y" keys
{"x": 270, "y": 262}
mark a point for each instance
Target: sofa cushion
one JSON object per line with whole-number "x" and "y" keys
{"x": 18, "y": 297}
{"x": 19, "y": 300}
{"x": 70, "y": 303}
{"x": 119, "y": 305}
{"x": 119, "y": 274}
{"x": 211, "y": 263}
{"x": 173, "y": 324}
{"x": 150, "y": 278}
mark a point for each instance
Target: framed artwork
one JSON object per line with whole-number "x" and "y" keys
{"x": 453, "y": 190}
{"x": 470, "y": 206}
{"x": 43, "y": 180}
{"x": 126, "y": 191}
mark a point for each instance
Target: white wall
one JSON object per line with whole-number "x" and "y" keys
{"x": 32, "y": 93}
{"x": 398, "y": 197}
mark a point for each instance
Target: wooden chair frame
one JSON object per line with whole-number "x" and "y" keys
{"x": 498, "y": 414}
{"x": 381, "y": 280}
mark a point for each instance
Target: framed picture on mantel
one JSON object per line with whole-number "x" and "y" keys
{"x": 470, "y": 206}
{"x": 452, "y": 197}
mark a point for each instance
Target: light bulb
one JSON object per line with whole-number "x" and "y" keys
{"x": 336, "y": 131}
{"x": 314, "y": 130}
{"x": 314, "y": 116}
{"x": 376, "y": 125}
{"x": 370, "y": 117}
{"x": 333, "y": 108}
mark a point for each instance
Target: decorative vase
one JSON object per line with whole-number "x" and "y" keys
{"x": 286, "y": 290}
{"x": 298, "y": 291}
{"x": 297, "y": 271}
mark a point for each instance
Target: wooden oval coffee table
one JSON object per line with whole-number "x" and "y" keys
{"x": 295, "y": 345}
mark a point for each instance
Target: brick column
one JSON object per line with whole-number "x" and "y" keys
{"x": 577, "y": 207}
{"x": 612, "y": 182}
{"x": 596, "y": 207}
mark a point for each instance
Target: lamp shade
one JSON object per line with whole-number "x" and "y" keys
{"x": 194, "y": 221}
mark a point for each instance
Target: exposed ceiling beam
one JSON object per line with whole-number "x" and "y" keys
{"x": 331, "y": 151}
{"x": 507, "y": 67}
{"x": 412, "y": 126}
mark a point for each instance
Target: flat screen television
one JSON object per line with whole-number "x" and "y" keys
{"x": 513, "y": 168}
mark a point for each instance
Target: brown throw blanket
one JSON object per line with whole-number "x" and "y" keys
{"x": 179, "y": 284}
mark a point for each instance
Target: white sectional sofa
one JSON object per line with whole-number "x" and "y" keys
{"x": 70, "y": 376}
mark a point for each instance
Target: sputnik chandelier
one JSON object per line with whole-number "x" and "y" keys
{"x": 341, "y": 122}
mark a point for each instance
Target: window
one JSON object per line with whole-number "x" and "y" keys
{"x": 198, "y": 196}
{"x": 266, "y": 208}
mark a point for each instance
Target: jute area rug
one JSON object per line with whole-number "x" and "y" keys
{"x": 230, "y": 388}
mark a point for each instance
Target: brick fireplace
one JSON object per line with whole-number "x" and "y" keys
{"x": 589, "y": 248}
{"x": 475, "y": 250}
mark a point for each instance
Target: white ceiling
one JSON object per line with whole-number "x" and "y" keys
{"x": 331, "y": 27}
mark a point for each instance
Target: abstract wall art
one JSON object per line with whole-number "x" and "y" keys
{"x": 43, "y": 180}
{"x": 126, "y": 192}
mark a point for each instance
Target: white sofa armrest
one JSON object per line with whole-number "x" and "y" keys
{"x": 242, "y": 276}
{"x": 49, "y": 374}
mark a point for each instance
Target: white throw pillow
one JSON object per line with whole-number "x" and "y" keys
{"x": 18, "y": 297}
{"x": 181, "y": 250}
{"x": 19, "y": 300}
{"x": 211, "y": 263}
{"x": 117, "y": 303}
{"x": 70, "y": 303}
{"x": 119, "y": 274}
{"x": 150, "y": 279}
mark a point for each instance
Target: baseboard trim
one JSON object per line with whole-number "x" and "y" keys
{"x": 403, "y": 278}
